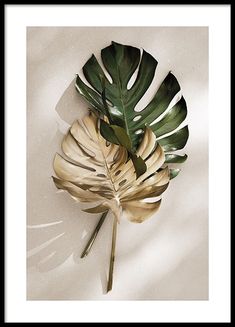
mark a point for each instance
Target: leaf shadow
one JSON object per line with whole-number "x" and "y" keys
{"x": 71, "y": 105}
{"x": 57, "y": 229}
{"x": 53, "y": 243}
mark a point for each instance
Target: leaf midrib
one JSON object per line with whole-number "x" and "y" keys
{"x": 108, "y": 173}
{"x": 122, "y": 102}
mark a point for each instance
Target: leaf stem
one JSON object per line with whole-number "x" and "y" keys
{"x": 93, "y": 236}
{"x": 112, "y": 256}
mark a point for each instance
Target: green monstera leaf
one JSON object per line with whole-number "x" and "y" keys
{"x": 117, "y": 102}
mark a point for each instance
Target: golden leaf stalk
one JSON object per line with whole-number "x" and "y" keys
{"x": 112, "y": 256}
{"x": 93, "y": 235}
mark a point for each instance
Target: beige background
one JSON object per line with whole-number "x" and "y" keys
{"x": 165, "y": 258}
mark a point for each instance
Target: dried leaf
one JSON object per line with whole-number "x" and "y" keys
{"x": 95, "y": 171}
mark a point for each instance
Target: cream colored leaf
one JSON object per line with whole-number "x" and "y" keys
{"x": 98, "y": 172}
{"x": 139, "y": 211}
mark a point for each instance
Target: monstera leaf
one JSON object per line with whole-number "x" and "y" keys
{"x": 98, "y": 172}
{"x": 103, "y": 174}
{"x": 115, "y": 100}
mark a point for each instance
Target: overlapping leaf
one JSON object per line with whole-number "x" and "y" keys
{"x": 101, "y": 173}
{"x": 116, "y": 101}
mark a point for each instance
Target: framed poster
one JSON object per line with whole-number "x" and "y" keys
{"x": 172, "y": 262}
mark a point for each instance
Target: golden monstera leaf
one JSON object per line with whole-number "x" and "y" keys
{"x": 97, "y": 172}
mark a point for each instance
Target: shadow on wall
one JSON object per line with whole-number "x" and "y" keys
{"x": 51, "y": 239}
{"x": 71, "y": 105}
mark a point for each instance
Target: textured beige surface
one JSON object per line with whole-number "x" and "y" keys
{"x": 165, "y": 258}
